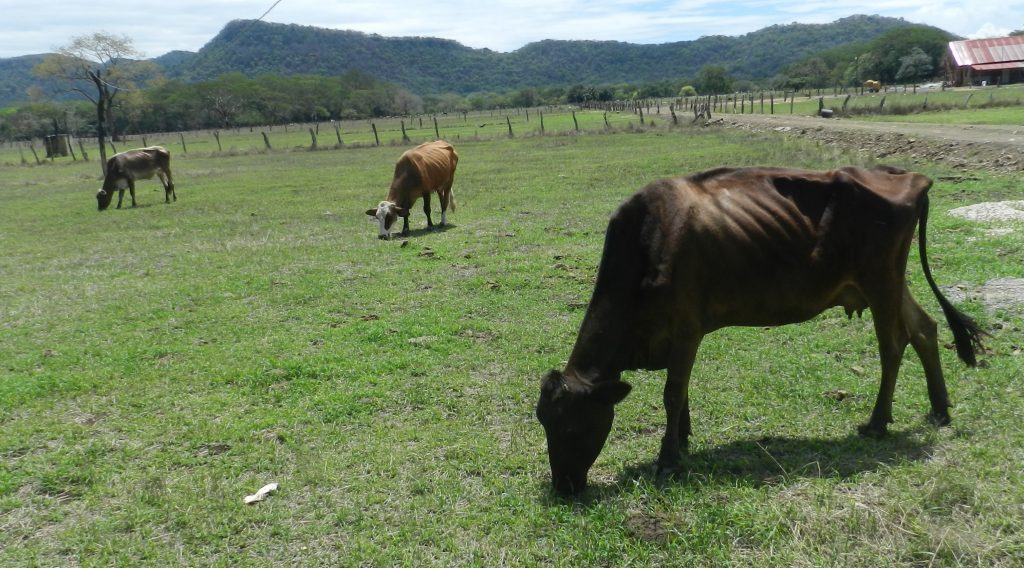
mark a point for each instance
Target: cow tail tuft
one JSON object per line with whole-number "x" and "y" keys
{"x": 451, "y": 199}
{"x": 966, "y": 333}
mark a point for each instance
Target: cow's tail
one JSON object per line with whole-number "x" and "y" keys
{"x": 966, "y": 333}
{"x": 451, "y": 199}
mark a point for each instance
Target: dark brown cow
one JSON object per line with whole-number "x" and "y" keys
{"x": 751, "y": 247}
{"x": 423, "y": 170}
{"x": 142, "y": 163}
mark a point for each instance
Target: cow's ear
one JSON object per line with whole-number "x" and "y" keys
{"x": 371, "y": 212}
{"x": 402, "y": 211}
{"x": 611, "y": 392}
{"x": 553, "y": 382}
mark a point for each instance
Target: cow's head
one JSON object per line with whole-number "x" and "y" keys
{"x": 577, "y": 417}
{"x": 385, "y": 216}
{"x": 103, "y": 198}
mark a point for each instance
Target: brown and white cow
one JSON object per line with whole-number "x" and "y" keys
{"x": 743, "y": 247}
{"x": 423, "y": 170}
{"x": 142, "y": 163}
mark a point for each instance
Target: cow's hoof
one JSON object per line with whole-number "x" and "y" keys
{"x": 939, "y": 418}
{"x": 871, "y": 431}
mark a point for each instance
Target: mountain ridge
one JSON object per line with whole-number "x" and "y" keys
{"x": 435, "y": 66}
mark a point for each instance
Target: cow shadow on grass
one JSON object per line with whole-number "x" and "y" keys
{"x": 773, "y": 461}
{"x": 422, "y": 231}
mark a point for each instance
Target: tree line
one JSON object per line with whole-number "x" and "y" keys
{"x": 135, "y": 98}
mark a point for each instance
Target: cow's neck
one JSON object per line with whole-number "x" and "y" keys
{"x": 597, "y": 355}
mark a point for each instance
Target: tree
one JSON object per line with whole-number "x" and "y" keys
{"x": 862, "y": 68}
{"x": 914, "y": 66}
{"x": 712, "y": 80}
{"x": 97, "y": 67}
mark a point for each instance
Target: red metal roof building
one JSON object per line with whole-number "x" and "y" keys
{"x": 992, "y": 61}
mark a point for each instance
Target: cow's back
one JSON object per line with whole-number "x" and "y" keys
{"x": 429, "y": 165}
{"x": 783, "y": 244}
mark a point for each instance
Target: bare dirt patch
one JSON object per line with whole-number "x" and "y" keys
{"x": 998, "y": 148}
{"x": 1003, "y": 293}
{"x": 991, "y": 211}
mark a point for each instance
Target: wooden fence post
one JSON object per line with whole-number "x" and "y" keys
{"x": 437, "y": 131}
{"x": 541, "y": 122}
{"x": 32, "y": 147}
{"x": 337, "y": 132}
{"x": 85, "y": 155}
{"x": 144, "y": 143}
{"x": 266, "y": 141}
{"x": 71, "y": 149}
{"x": 509, "y": 121}
{"x": 968, "y": 99}
{"x": 216, "y": 136}
{"x": 184, "y": 149}
{"x": 312, "y": 135}
{"x": 375, "y": 137}
{"x": 405, "y": 137}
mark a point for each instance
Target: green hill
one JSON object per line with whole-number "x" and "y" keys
{"x": 428, "y": 66}
{"x": 432, "y": 66}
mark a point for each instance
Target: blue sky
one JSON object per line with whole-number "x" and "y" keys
{"x": 501, "y": 25}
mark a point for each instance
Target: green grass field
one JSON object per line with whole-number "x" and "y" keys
{"x": 159, "y": 363}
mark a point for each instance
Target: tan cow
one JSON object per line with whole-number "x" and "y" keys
{"x": 750, "y": 247}
{"x": 142, "y": 163}
{"x": 423, "y": 170}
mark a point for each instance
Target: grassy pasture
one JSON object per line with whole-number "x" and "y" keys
{"x": 987, "y": 105}
{"x": 159, "y": 363}
{"x": 455, "y": 127}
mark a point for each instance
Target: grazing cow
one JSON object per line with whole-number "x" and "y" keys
{"x": 743, "y": 247}
{"x": 142, "y": 163}
{"x": 423, "y": 170}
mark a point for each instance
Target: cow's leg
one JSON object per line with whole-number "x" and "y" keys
{"x": 445, "y": 196}
{"x": 925, "y": 341}
{"x": 131, "y": 190}
{"x": 677, "y": 403}
{"x": 426, "y": 210}
{"x": 120, "y": 196}
{"x": 892, "y": 341}
{"x": 168, "y": 188}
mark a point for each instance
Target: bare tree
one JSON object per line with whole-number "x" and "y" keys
{"x": 97, "y": 67}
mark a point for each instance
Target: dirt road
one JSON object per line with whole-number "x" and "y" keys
{"x": 990, "y": 147}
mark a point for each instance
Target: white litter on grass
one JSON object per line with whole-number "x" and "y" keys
{"x": 261, "y": 494}
{"x": 991, "y": 211}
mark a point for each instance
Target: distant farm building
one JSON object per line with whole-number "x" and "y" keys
{"x": 993, "y": 61}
